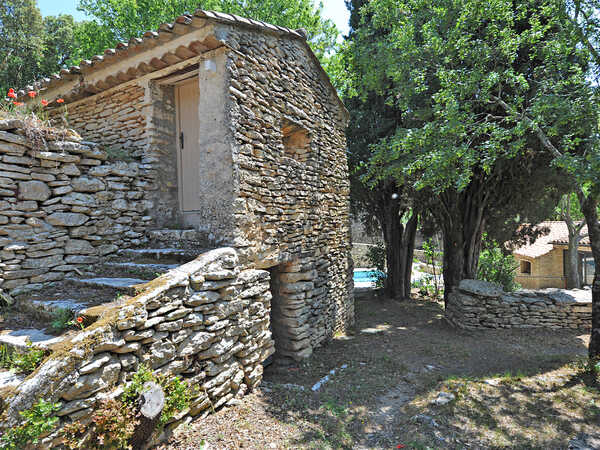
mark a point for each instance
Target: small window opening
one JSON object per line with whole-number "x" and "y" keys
{"x": 525, "y": 267}
{"x": 296, "y": 141}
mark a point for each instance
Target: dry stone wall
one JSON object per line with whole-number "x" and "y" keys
{"x": 206, "y": 321}
{"x": 478, "y": 304}
{"x": 291, "y": 212}
{"x": 63, "y": 205}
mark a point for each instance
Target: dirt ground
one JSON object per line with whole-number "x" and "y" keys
{"x": 511, "y": 388}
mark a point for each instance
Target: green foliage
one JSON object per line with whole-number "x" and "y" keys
{"x": 177, "y": 392}
{"x": 497, "y": 267}
{"x": 177, "y": 398}
{"x": 376, "y": 257}
{"x": 588, "y": 367}
{"x": 21, "y": 362}
{"x": 38, "y": 421}
{"x": 21, "y": 43}
{"x": 62, "y": 319}
{"x": 120, "y": 20}
{"x": 115, "y": 420}
{"x": 427, "y": 286}
{"x": 113, "y": 425}
{"x": 432, "y": 255}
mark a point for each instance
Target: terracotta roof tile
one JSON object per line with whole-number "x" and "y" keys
{"x": 558, "y": 234}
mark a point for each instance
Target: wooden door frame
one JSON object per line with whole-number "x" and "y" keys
{"x": 192, "y": 79}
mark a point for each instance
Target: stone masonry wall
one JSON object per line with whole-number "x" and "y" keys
{"x": 478, "y": 304}
{"x": 291, "y": 212}
{"x": 64, "y": 205}
{"x": 137, "y": 122}
{"x": 206, "y": 321}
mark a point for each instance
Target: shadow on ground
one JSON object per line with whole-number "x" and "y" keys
{"x": 401, "y": 355}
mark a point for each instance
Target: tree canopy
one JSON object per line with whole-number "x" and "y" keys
{"x": 119, "y": 20}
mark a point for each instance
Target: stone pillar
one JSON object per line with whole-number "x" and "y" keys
{"x": 290, "y": 310}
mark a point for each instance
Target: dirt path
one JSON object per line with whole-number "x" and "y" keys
{"x": 400, "y": 357}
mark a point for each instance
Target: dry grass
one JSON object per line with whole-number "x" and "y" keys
{"x": 36, "y": 126}
{"x": 400, "y": 357}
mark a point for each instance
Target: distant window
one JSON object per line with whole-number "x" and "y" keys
{"x": 296, "y": 141}
{"x": 526, "y": 267}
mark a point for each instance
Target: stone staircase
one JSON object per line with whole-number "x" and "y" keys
{"x": 113, "y": 280}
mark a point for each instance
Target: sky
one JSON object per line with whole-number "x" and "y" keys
{"x": 332, "y": 9}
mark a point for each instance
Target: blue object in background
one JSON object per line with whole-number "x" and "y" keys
{"x": 365, "y": 276}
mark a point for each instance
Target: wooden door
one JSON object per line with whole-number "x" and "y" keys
{"x": 188, "y": 102}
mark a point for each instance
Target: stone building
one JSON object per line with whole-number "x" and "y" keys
{"x": 240, "y": 135}
{"x": 542, "y": 264}
{"x": 216, "y": 142}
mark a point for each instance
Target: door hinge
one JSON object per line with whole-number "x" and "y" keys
{"x": 181, "y": 140}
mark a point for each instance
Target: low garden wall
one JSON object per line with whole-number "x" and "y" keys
{"x": 206, "y": 321}
{"x": 63, "y": 205}
{"x": 478, "y": 304}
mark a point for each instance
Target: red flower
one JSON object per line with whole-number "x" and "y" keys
{"x": 80, "y": 319}
{"x": 18, "y": 103}
{"x": 400, "y": 446}
{"x": 11, "y": 93}
{"x": 31, "y": 94}
{"x": 60, "y": 100}
{"x": 44, "y": 102}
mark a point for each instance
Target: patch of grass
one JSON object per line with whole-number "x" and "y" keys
{"x": 21, "y": 362}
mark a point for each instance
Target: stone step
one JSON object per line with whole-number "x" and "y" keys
{"x": 170, "y": 235}
{"x": 19, "y": 339}
{"x": 177, "y": 254}
{"x": 142, "y": 270}
{"x": 51, "y": 306}
{"x": 10, "y": 379}
{"x": 125, "y": 285}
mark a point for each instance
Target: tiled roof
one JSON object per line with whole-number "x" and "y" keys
{"x": 558, "y": 234}
{"x": 165, "y": 33}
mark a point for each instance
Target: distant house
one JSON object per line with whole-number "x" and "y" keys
{"x": 542, "y": 264}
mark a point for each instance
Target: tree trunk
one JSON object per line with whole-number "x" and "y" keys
{"x": 589, "y": 208}
{"x": 410, "y": 234}
{"x": 398, "y": 249}
{"x": 462, "y": 227}
{"x": 573, "y": 281}
{"x": 393, "y": 233}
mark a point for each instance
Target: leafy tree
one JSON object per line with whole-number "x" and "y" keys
{"x": 568, "y": 211}
{"x": 447, "y": 65}
{"x": 385, "y": 202}
{"x": 120, "y": 20}
{"x": 60, "y": 46}
{"x": 496, "y": 266}
{"x": 578, "y": 153}
{"x": 21, "y": 43}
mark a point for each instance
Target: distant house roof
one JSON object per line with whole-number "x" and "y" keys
{"x": 558, "y": 235}
{"x": 78, "y": 81}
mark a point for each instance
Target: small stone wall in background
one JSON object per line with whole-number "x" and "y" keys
{"x": 479, "y": 304}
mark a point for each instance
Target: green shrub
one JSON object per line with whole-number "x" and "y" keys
{"x": 377, "y": 258}
{"x": 177, "y": 392}
{"x": 39, "y": 421}
{"x": 114, "y": 422}
{"x": 497, "y": 267}
{"x": 113, "y": 425}
{"x": 62, "y": 318}
{"x": 21, "y": 362}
